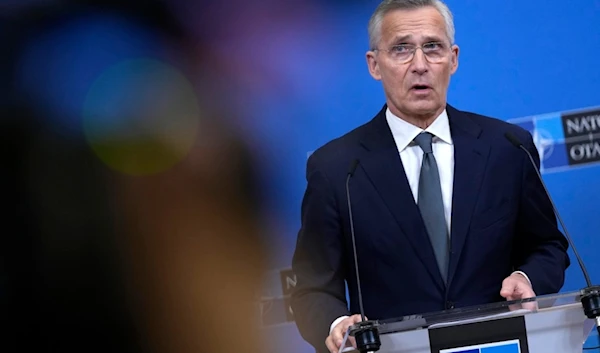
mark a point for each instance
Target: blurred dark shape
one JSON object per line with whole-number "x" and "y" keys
{"x": 97, "y": 261}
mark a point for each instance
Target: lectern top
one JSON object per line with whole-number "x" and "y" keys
{"x": 475, "y": 313}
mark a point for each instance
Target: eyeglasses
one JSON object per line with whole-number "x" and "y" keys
{"x": 435, "y": 52}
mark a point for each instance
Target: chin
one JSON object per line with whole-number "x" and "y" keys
{"x": 425, "y": 109}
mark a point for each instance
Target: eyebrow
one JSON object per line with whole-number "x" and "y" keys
{"x": 433, "y": 39}
{"x": 426, "y": 39}
{"x": 402, "y": 39}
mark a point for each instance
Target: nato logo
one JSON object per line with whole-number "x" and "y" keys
{"x": 511, "y": 346}
{"x": 565, "y": 139}
{"x": 273, "y": 304}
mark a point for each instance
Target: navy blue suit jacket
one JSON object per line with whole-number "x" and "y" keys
{"x": 502, "y": 221}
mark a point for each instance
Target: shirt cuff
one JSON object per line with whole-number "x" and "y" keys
{"x": 337, "y": 321}
{"x": 524, "y": 275}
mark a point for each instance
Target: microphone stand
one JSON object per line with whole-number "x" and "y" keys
{"x": 590, "y": 295}
{"x": 365, "y": 332}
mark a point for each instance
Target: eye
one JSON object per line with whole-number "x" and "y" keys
{"x": 433, "y": 46}
{"x": 402, "y": 48}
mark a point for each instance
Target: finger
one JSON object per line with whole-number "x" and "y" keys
{"x": 339, "y": 331}
{"x": 356, "y": 318}
{"x": 528, "y": 305}
{"x": 508, "y": 288}
{"x": 521, "y": 291}
{"x": 330, "y": 345}
{"x": 528, "y": 292}
{"x": 352, "y": 341}
{"x": 508, "y": 292}
{"x": 337, "y": 334}
{"x": 517, "y": 292}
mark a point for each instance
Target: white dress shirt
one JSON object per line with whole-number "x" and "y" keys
{"x": 412, "y": 155}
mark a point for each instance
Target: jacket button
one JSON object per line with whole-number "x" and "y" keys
{"x": 449, "y": 305}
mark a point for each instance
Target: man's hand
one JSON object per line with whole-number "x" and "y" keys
{"x": 334, "y": 340}
{"x": 516, "y": 287}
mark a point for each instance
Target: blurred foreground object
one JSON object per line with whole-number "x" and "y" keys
{"x": 135, "y": 212}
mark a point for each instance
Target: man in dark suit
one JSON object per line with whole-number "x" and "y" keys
{"x": 446, "y": 212}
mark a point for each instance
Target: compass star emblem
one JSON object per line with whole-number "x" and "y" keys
{"x": 544, "y": 143}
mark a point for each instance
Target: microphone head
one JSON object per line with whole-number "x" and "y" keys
{"x": 353, "y": 166}
{"x": 513, "y": 139}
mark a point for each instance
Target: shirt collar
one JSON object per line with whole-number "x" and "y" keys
{"x": 404, "y": 132}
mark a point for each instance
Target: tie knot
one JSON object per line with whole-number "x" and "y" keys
{"x": 424, "y": 141}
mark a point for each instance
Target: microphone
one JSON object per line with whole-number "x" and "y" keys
{"x": 365, "y": 332}
{"x": 590, "y": 298}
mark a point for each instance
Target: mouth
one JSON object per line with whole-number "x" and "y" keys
{"x": 420, "y": 87}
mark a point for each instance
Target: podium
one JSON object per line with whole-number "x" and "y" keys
{"x": 545, "y": 324}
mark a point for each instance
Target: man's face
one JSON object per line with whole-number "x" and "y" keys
{"x": 418, "y": 87}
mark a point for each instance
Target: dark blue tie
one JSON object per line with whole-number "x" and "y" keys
{"x": 431, "y": 204}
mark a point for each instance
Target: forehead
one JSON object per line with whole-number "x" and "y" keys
{"x": 413, "y": 24}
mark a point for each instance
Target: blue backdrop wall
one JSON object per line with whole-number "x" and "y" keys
{"x": 530, "y": 62}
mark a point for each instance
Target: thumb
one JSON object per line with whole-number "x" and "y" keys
{"x": 340, "y": 330}
{"x": 358, "y": 318}
{"x": 354, "y": 319}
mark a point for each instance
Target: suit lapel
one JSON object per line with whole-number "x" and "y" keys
{"x": 383, "y": 166}
{"x": 470, "y": 158}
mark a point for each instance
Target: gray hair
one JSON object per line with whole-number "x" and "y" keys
{"x": 389, "y": 5}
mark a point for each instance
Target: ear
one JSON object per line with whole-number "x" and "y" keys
{"x": 454, "y": 59}
{"x": 373, "y": 65}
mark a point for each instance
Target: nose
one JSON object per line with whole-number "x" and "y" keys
{"x": 419, "y": 62}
